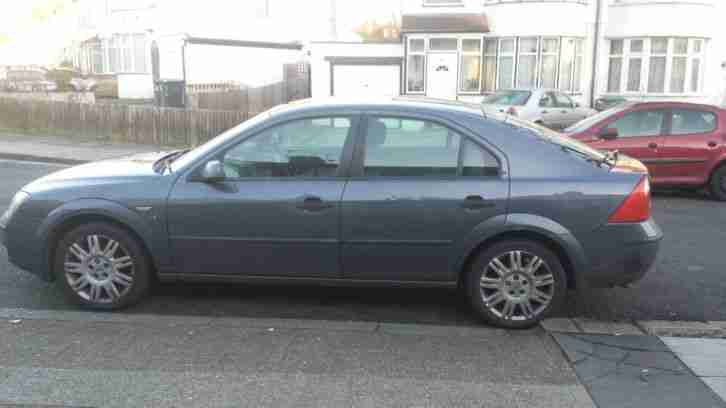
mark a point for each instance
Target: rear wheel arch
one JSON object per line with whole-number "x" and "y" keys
{"x": 713, "y": 185}
{"x": 519, "y": 235}
{"x": 67, "y": 225}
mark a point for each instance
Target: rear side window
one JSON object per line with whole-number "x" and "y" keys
{"x": 398, "y": 147}
{"x": 639, "y": 123}
{"x": 685, "y": 121}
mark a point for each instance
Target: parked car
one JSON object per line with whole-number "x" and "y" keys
{"x": 28, "y": 80}
{"x": 547, "y": 107}
{"x": 682, "y": 144}
{"x": 607, "y": 102}
{"x": 373, "y": 194}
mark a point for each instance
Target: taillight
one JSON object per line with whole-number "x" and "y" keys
{"x": 636, "y": 207}
{"x": 512, "y": 111}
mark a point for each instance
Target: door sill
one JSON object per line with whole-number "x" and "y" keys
{"x": 286, "y": 280}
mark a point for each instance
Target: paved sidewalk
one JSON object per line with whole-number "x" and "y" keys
{"x": 89, "y": 359}
{"x": 65, "y": 150}
{"x": 623, "y": 366}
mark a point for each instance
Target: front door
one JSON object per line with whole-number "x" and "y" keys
{"x": 278, "y": 211}
{"x": 417, "y": 191}
{"x": 640, "y": 135}
{"x": 441, "y": 75}
{"x": 694, "y": 142}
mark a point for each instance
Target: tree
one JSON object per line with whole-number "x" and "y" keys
{"x": 372, "y": 31}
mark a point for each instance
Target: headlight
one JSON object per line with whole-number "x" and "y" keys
{"x": 18, "y": 200}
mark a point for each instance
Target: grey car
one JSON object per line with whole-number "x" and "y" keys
{"x": 547, "y": 107}
{"x": 398, "y": 192}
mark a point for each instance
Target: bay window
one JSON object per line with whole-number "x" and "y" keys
{"x": 489, "y": 69}
{"x": 657, "y": 65}
{"x": 527, "y": 62}
{"x": 119, "y": 53}
{"x": 470, "y": 70}
{"x": 549, "y": 49}
{"x": 506, "y": 63}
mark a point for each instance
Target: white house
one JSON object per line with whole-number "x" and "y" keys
{"x": 463, "y": 49}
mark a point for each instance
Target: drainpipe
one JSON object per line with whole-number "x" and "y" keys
{"x": 595, "y": 51}
{"x": 184, "y": 68}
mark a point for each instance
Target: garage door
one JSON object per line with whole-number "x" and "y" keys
{"x": 366, "y": 80}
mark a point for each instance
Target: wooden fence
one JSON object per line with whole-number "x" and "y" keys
{"x": 247, "y": 99}
{"x": 117, "y": 123}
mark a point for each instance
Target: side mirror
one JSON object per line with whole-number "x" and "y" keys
{"x": 213, "y": 172}
{"x": 609, "y": 134}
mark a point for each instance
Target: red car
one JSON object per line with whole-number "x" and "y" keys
{"x": 682, "y": 144}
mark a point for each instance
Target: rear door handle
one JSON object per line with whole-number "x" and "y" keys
{"x": 476, "y": 202}
{"x": 313, "y": 203}
{"x": 712, "y": 144}
{"x": 653, "y": 145}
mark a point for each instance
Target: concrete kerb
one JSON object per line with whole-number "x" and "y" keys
{"x": 642, "y": 327}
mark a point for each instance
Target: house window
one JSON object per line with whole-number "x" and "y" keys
{"x": 505, "y": 65}
{"x": 470, "y": 69}
{"x": 549, "y": 49}
{"x": 416, "y": 66}
{"x": 489, "y": 68}
{"x": 616, "y": 65}
{"x": 527, "y": 62}
{"x": 656, "y": 65}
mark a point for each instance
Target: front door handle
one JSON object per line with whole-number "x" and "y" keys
{"x": 313, "y": 203}
{"x": 476, "y": 202}
{"x": 653, "y": 145}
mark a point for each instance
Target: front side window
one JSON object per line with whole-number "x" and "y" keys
{"x": 563, "y": 101}
{"x": 686, "y": 121}
{"x": 640, "y": 123}
{"x": 401, "y": 147}
{"x": 301, "y": 148}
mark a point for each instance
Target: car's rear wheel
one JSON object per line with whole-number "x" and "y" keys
{"x": 515, "y": 284}
{"x": 718, "y": 184}
{"x": 101, "y": 266}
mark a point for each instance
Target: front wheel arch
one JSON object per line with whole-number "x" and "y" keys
{"x": 59, "y": 231}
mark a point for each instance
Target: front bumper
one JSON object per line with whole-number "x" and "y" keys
{"x": 621, "y": 254}
{"x": 24, "y": 249}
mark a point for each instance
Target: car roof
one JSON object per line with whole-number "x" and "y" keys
{"x": 399, "y": 103}
{"x": 671, "y": 104}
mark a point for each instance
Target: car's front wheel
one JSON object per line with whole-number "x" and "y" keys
{"x": 101, "y": 266}
{"x": 514, "y": 284}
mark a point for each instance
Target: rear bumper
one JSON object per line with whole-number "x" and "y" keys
{"x": 622, "y": 254}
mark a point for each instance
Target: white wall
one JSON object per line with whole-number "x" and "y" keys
{"x": 135, "y": 86}
{"x": 320, "y": 68}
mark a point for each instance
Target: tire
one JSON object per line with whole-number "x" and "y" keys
{"x": 718, "y": 184}
{"x": 513, "y": 300}
{"x": 95, "y": 274}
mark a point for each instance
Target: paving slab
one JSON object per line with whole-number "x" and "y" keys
{"x": 706, "y": 357}
{"x": 681, "y": 328}
{"x": 559, "y": 324}
{"x": 634, "y": 371}
{"x": 605, "y": 327}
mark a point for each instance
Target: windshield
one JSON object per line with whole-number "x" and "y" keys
{"x": 212, "y": 144}
{"x": 511, "y": 97}
{"x": 588, "y": 122}
{"x": 556, "y": 138}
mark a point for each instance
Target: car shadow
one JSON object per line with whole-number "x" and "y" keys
{"x": 390, "y": 305}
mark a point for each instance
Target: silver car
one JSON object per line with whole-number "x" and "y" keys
{"x": 548, "y": 107}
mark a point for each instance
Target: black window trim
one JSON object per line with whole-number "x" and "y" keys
{"x": 357, "y": 162}
{"x": 669, "y": 129}
{"x": 344, "y": 168}
{"x": 665, "y": 124}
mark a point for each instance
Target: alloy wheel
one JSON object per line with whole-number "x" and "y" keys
{"x": 517, "y": 285}
{"x": 99, "y": 269}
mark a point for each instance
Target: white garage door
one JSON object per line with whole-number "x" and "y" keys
{"x": 366, "y": 80}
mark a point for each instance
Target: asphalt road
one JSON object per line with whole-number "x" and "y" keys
{"x": 686, "y": 284}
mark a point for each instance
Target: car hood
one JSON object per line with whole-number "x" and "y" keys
{"x": 122, "y": 168}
